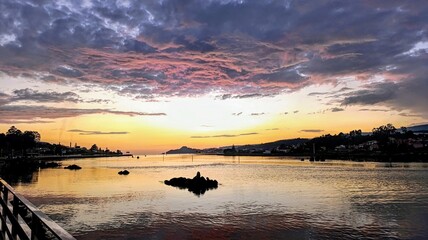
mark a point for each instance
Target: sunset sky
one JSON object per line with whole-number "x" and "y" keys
{"x": 149, "y": 76}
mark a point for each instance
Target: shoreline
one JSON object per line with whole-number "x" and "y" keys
{"x": 15, "y": 170}
{"x": 63, "y": 157}
{"x": 420, "y": 157}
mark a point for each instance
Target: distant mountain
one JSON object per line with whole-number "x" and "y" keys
{"x": 419, "y": 128}
{"x": 262, "y": 146}
{"x": 272, "y": 145}
{"x": 183, "y": 150}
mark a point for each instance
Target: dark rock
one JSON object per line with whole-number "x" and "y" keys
{"x": 124, "y": 172}
{"x": 49, "y": 164}
{"x": 198, "y": 185}
{"x": 73, "y": 167}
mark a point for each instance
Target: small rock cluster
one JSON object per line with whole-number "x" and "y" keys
{"x": 73, "y": 167}
{"x": 198, "y": 185}
{"x": 124, "y": 172}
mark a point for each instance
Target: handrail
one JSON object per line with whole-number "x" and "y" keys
{"x": 16, "y": 222}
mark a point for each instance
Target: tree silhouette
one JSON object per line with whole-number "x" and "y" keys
{"x": 13, "y": 137}
{"x": 355, "y": 133}
{"x": 13, "y": 131}
{"x": 383, "y": 134}
{"x": 94, "y": 148}
{"x": 384, "y": 130}
{"x": 16, "y": 141}
{"x": 2, "y": 144}
{"x": 29, "y": 139}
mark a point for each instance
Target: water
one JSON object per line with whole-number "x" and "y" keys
{"x": 258, "y": 198}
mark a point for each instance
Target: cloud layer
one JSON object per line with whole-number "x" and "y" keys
{"x": 239, "y": 49}
{"x": 312, "y": 130}
{"x": 86, "y": 132}
{"x": 36, "y": 114}
{"x": 226, "y": 135}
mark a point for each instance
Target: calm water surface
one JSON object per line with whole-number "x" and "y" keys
{"x": 258, "y": 198}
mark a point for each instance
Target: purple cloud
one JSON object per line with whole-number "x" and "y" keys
{"x": 249, "y": 49}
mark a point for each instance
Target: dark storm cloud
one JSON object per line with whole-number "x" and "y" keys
{"x": 409, "y": 94}
{"x": 342, "y": 90}
{"x": 66, "y": 71}
{"x": 243, "y": 96}
{"x": 373, "y": 110}
{"x": 336, "y": 109}
{"x": 374, "y": 94}
{"x": 241, "y": 49}
{"x": 138, "y": 46}
{"x": 287, "y": 75}
{"x": 27, "y": 113}
{"x": 86, "y": 132}
{"x": 36, "y": 96}
{"x": 14, "y": 121}
{"x": 4, "y": 99}
{"x": 135, "y": 74}
{"x": 31, "y": 95}
{"x": 409, "y": 115}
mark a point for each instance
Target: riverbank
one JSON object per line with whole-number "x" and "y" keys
{"x": 358, "y": 157}
{"x": 65, "y": 157}
{"x": 22, "y": 169}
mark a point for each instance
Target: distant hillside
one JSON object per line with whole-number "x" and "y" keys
{"x": 419, "y": 128}
{"x": 183, "y": 150}
{"x": 262, "y": 146}
{"x": 272, "y": 145}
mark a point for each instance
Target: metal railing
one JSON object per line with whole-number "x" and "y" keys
{"x": 20, "y": 219}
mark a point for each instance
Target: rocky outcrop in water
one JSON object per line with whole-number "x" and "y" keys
{"x": 198, "y": 185}
{"x": 124, "y": 172}
{"x": 73, "y": 167}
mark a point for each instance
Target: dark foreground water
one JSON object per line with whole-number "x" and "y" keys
{"x": 258, "y": 198}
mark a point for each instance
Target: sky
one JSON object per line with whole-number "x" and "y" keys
{"x": 149, "y": 76}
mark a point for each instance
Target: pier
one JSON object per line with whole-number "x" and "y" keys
{"x": 20, "y": 219}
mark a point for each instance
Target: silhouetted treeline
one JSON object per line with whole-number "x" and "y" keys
{"x": 386, "y": 137}
{"x": 16, "y": 142}
{"x": 385, "y": 142}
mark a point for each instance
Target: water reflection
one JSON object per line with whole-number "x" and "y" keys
{"x": 18, "y": 171}
{"x": 259, "y": 198}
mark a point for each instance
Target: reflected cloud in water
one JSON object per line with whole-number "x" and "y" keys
{"x": 259, "y": 198}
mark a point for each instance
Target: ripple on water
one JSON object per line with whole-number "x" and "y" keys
{"x": 257, "y": 199}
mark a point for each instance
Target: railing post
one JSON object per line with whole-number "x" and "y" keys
{"x": 35, "y": 227}
{"x": 18, "y": 219}
{"x": 15, "y": 212}
{"x": 3, "y": 223}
